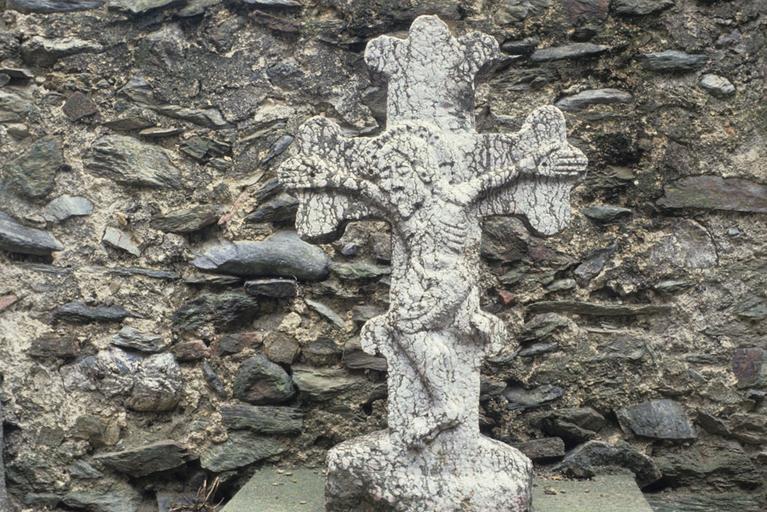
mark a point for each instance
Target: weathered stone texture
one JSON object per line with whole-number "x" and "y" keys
{"x": 654, "y": 292}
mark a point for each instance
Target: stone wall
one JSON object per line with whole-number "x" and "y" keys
{"x": 142, "y": 352}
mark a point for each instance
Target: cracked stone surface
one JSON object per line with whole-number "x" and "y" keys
{"x": 433, "y": 178}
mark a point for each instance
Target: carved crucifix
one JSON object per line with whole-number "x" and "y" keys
{"x": 433, "y": 178}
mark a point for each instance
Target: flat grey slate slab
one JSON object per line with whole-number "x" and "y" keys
{"x": 302, "y": 490}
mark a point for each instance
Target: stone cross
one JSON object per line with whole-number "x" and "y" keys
{"x": 433, "y": 178}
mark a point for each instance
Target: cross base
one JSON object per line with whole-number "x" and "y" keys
{"x": 371, "y": 474}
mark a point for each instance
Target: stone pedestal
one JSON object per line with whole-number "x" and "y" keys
{"x": 301, "y": 490}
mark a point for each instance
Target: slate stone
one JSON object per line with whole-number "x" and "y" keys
{"x": 607, "y": 213}
{"x": 520, "y": 398}
{"x": 157, "y": 385}
{"x": 704, "y": 502}
{"x": 281, "y": 348}
{"x": 262, "y": 419}
{"x": 585, "y": 99}
{"x": 65, "y": 207}
{"x": 274, "y": 288}
{"x": 118, "y": 499}
{"x": 133, "y": 339}
{"x": 749, "y": 428}
{"x": 15, "y": 108}
{"x": 213, "y": 380}
{"x": 749, "y": 364}
{"x": 275, "y": 3}
{"x": 33, "y": 173}
{"x": 187, "y": 220}
{"x": 752, "y": 308}
{"x": 596, "y": 309}
{"x": 640, "y": 7}
{"x": 82, "y": 470}
{"x": 359, "y": 270}
{"x": 715, "y": 193}
{"x": 20, "y": 239}
{"x": 139, "y": 7}
{"x": 688, "y": 245}
{"x": 281, "y": 255}
{"x": 17, "y": 73}
{"x": 543, "y": 327}
{"x": 322, "y": 384}
{"x": 543, "y": 450}
{"x": 63, "y": 347}
{"x": 356, "y": 359}
{"x": 127, "y": 161}
{"x": 717, "y": 86}
{"x": 42, "y": 52}
{"x": 326, "y": 312}
{"x": 191, "y": 350}
{"x": 574, "y": 425}
{"x": 260, "y": 381}
{"x": 279, "y": 209}
{"x": 522, "y": 47}
{"x": 584, "y": 11}
{"x": 673, "y": 60}
{"x": 128, "y": 123}
{"x": 207, "y": 117}
{"x": 321, "y": 352}
{"x": 120, "y": 239}
{"x": 80, "y": 313}
{"x": 595, "y": 457}
{"x": 78, "y": 105}
{"x": 243, "y": 448}
{"x": 702, "y": 464}
{"x": 657, "y": 419}
{"x": 226, "y": 311}
{"x": 160, "y": 132}
{"x": 51, "y": 6}
{"x": 593, "y": 265}
{"x": 203, "y": 149}
{"x": 568, "y": 51}
{"x": 148, "y": 459}
{"x": 537, "y": 349}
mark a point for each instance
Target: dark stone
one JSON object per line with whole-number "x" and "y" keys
{"x": 640, "y": 7}
{"x": 657, "y": 419}
{"x": 673, "y": 60}
{"x": 583, "y": 11}
{"x": 144, "y": 272}
{"x": 147, "y": 459}
{"x": 591, "y": 97}
{"x": 226, "y": 311}
{"x": 275, "y": 288}
{"x": 595, "y": 309}
{"x": 213, "y": 379}
{"x": 211, "y": 280}
{"x": 66, "y": 206}
{"x": 263, "y": 419}
{"x": 55, "y": 346}
{"x": 703, "y": 502}
{"x": 50, "y": 6}
{"x": 322, "y": 352}
{"x": 241, "y": 449}
{"x": 723, "y": 465}
{"x": 203, "y": 149}
{"x": 281, "y": 348}
{"x": 750, "y": 366}
{"x": 273, "y": 3}
{"x": 670, "y": 286}
{"x": 120, "y": 498}
{"x": 574, "y": 425}
{"x": 17, "y": 238}
{"x": 278, "y": 148}
{"x": 22, "y": 74}
{"x": 522, "y": 399}
{"x": 187, "y": 220}
{"x": 80, "y": 313}
{"x": 749, "y": 428}
{"x": 128, "y": 123}
{"x": 33, "y": 173}
{"x": 593, "y": 265}
{"x": 537, "y": 349}
{"x": 279, "y": 209}
{"x": 543, "y": 327}
{"x": 78, "y": 105}
{"x": 42, "y": 52}
{"x": 715, "y": 193}
{"x": 752, "y": 308}
{"x": 192, "y": 350}
{"x": 688, "y": 245}
{"x": 543, "y": 450}
{"x": 355, "y": 358}
{"x": 568, "y": 51}
{"x": 326, "y": 312}
{"x": 209, "y": 117}
{"x": 130, "y": 162}
{"x": 130, "y": 338}
{"x": 82, "y": 470}
{"x": 522, "y": 47}
{"x": 595, "y": 457}
{"x": 606, "y": 213}
{"x": 260, "y": 381}
{"x": 281, "y": 255}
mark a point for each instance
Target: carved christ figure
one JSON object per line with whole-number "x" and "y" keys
{"x": 433, "y": 179}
